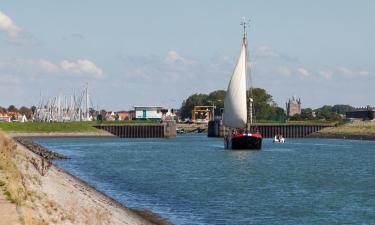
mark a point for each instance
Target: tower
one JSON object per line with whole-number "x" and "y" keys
{"x": 293, "y": 106}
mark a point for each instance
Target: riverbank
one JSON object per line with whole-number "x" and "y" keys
{"x": 97, "y": 133}
{"x": 358, "y": 130}
{"x": 42, "y": 193}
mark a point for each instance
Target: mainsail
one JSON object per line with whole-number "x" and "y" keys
{"x": 235, "y": 107}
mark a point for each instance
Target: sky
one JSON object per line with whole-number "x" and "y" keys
{"x": 134, "y": 53}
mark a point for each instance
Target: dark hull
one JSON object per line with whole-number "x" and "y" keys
{"x": 243, "y": 142}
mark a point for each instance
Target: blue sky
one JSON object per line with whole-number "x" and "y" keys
{"x": 160, "y": 52}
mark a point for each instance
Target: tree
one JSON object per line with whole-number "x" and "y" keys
{"x": 25, "y": 111}
{"x": 217, "y": 98}
{"x": 324, "y": 112}
{"x": 342, "y": 109}
{"x": 190, "y": 102}
{"x": 295, "y": 117}
{"x": 263, "y": 104}
{"x": 335, "y": 117}
{"x": 265, "y": 107}
{"x": 33, "y": 109}
{"x": 3, "y": 110}
{"x": 12, "y": 108}
{"x": 307, "y": 114}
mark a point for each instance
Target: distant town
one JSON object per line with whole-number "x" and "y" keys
{"x": 197, "y": 108}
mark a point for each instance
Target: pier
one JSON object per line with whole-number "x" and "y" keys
{"x": 162, "y": 130}
{"x": 215, "y": 129}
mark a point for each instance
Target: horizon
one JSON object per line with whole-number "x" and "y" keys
{"x": 161, "y": 54}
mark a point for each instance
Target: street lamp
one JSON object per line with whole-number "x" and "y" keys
{"x": 214, "y": 107}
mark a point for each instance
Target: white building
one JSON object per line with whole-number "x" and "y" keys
{"x": 148, "y": 112}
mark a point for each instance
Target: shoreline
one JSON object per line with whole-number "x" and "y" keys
{"x": 75, "y": 200}
{"x": 343, "y": 136}
{"x": 61, "y": 134}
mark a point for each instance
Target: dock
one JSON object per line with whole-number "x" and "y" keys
{"x": 216, "y": 129}
{"x": 157, "y": 130}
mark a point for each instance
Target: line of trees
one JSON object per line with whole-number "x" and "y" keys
{"x": 326, "y": 112}
{"x": 264, "y": 106}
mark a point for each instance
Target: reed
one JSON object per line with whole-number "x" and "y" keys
{"x": 13, "y": 182}
{"x": 366, "y": 128}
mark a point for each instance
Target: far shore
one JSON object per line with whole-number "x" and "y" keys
{"x": 368, "y": 137}
{"x": 99, "y": 133}
{"x": 357, "y": 130}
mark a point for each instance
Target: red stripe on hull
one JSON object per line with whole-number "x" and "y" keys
{"x": 243, "y": 141}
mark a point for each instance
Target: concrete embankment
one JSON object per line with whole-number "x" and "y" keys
{"x": 43, "y": 193}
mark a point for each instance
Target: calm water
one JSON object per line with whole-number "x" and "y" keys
{"x": 193, "y": 180}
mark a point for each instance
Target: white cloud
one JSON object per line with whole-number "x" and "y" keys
{"x": 285, "y": 71}
{"x": 42, "y": 66}
{"x": 174, "y": 57}
{"x": 326, "y": 74}
{"x": 265, "y": 51}
{"x": 351, "y": 73}
{"x": 47, "y": 66}
{"x": 15, "y": 34}
{"x": 304, "y": 72}
{"x": 81, "y": 66}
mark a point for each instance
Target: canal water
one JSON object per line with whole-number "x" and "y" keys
{"x": 193, "y": 180}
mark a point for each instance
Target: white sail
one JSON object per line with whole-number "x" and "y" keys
{"x": 235, "y": 107}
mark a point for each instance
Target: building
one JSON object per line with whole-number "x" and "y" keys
{"x": 148, "y": 113}
{"x": 365, "y": 113}
{"x": 4, "y": 117}
{"x": 12, "y": 117}
{"x": 293, "y": 106}
{"x": 124, "y": 115}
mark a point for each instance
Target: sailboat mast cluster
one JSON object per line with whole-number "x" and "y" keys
{"x": 75, "y": 107}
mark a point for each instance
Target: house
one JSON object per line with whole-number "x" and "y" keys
{"x": 110, "y": 115}
{"x": 124, "y": 115}
{"x": 13, "y": 117}
{"x": 148, "y": 113}
{"x": 4, "y": 117}
{"x": 365, "y": 113}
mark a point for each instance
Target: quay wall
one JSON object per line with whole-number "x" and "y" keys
{"x": 216, "y": 129}
{"x": 163, "y": 130}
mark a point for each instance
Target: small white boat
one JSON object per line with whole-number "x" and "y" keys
{"x": 279, "y": 139}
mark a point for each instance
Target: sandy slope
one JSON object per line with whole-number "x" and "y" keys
{"x": 8, "y": 212}
{"x": 59, "y": 198}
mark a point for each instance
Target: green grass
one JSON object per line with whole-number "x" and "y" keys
{"x": 307, "y": 122}
{"x": 39, "y": 127}
{"x": 126, "y": 122}
{"x": 69, "y": 127}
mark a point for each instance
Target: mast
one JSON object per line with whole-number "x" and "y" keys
{"x": 245, "y": 23}
{"x": 235, "y": 101}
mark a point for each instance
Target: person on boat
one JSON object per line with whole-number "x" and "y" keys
{"x": 281, "y": 139}
{"x": 276, "y": 139}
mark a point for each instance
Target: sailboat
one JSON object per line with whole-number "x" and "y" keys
{"x": 237, "y": 117}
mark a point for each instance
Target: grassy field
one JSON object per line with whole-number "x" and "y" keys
{"x": 38, "y": 127}
{"x": 358, "y": 128}
{"x": 68, "y": 127}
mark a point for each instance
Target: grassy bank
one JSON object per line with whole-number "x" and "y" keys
{"x": 69, "y": 127}
{"x": 13, "y": 183}
{"x": 354, "y": 130}
{"x": 37, "y": 127}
